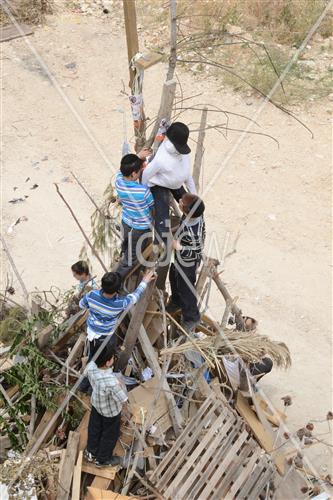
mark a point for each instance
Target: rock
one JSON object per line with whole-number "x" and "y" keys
{"x": 330, "y": 97}
{"x": 233, "y": 30}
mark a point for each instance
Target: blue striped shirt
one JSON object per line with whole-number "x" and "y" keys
{"x": 137, "y": 202}
{"x": 104, "y": 312}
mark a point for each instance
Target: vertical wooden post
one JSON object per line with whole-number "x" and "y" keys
{"x": 131, "y": 32}
{"x": 199, "y": 150}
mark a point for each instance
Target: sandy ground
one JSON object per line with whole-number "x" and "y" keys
{"x": 279, "y": 199}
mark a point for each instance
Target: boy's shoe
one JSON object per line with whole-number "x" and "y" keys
{"x": 172, "y": 308}
{"x": 110, "y": 463}
{"x": 89, "y": 456}
{"x": 189, "y": 326}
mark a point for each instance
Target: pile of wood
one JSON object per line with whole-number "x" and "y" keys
{"x": 186, "y": 431}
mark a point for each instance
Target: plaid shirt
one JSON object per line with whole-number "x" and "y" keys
{"x": 108, "y": 393}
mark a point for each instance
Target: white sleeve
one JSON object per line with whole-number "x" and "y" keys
{"x": 190, "y": 185}
{"x": 150, "y": 170}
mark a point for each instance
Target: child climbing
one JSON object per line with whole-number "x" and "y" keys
{"x": 108, "y": 396}
{"x": 82, "y": 273}
{"x": 188, "y": 253}
{"x": 168, "y": 171}
{"x": 137, "y": 207}
{"x": 105, "y": 306}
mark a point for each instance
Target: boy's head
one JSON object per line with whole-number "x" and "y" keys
{"x": 106, "y": 357}
{"x": 111, "y": 283}
{"x": 130, "y": 166}
{"x": 80, "y": 270}
{"x": 191, "y": 201}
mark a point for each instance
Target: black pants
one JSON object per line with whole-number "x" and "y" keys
{"x": 182, "y": 293}
{"x": 162, "y": 205}
{"x": 103, "y": 434}
{"x": 134, "y": 242}
{"x": 94, "y": 345}
{"x": 261, "y": 368}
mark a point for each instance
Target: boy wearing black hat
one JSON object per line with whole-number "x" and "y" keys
{"x": 188, "y": 253}
{"x": 137, "y": 204}
{"x": 168, "y": 171}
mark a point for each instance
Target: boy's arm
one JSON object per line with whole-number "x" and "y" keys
{"x": 191, "y": 185}
{"x": 149, "y": 199}
{"x": 84, "y": 304}
{"x": 119, "y": 393}
{"x": 151, "y": 169}
{"x": 132, "y": 298}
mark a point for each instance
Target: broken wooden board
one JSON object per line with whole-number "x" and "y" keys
{"x": 11, "y": 32}
{"x": 214, "y": 457}
{"x": 106, "y": 472}
{"x": 100, "y": 494}
{"x": 46, "y": 418}
{"x": 264, "y": 438}
{"x": 71, "y": 326}
{"x": 76, "y": 488}
{"x": 141, "y": 399}
{"x": 147, "y": 60}
{"x": 101, "y": 483}
{"x": 66, "y": 469}
{"x": 83, "y": 430}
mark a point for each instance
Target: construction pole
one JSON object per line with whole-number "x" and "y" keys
{"x": 131, "y": 33}
{"x": 132, "y": 49}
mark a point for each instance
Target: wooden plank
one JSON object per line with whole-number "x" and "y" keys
{"x": 168, "y": 95}
{"x": 101, "y": 483}
{"x": 200, "y": 149}
{"x": 204, "y": 477}
{"x": 76, "y": 489}
{"x": 179, "y": 460}
{"x": 205, "y": 449}
{"x": 100, "y": 494}
{"x": 72, "y": 326}
{"x": 67, "y": 468}
{"x": 106, "y": 472}
{"x": 264, "y": 438}
{"x": 148, "y": 59}
{"x": 245, "y": 472}
{"x": 46, "y": 418}
{"x": 251, "y": 481}
{"x": 227, "y": 459}
{"x": 10, "y": 32}
{"x": 131, "y": 32}
{"x": 182, "y": 438}
{"x": 261, "y": 485}
{"x": 83, "y": 430}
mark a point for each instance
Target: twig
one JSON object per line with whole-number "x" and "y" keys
{"x": 33, "y": 416}
{"x": 81, "y": 229}
{"x": 12, "y": 263}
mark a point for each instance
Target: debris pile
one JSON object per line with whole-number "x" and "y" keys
{"x": 193, "y": 426}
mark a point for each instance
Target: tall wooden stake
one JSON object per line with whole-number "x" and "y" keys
{"x": 131, "y": 33}
{"x": 200, "y": 149}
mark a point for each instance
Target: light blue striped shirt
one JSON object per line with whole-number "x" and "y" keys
{"x": 137, "y": 202}
{"x": 104, "y": 312}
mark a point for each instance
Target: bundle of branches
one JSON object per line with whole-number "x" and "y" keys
{"x": 105, "y": 224}
{"x": 250, "y": 347}
{"x": 37, "y": 472}
{"x": 28, "y": 11}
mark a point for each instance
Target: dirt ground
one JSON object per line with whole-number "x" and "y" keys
{"x": 279, "y": 199}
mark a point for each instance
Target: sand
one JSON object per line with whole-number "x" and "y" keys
{"x": 279, "y": 199}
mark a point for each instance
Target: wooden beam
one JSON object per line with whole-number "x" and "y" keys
{"x": 67, "y": 466}
{"x": 73, "y": 326}
{"x": 168, "y": 95}
{"x": 106, "y": 472}
{"x": 131, "y": 32}
{"x": 175, "y": 415}
{"x": 134, "y": 326}
{"x": 200, "y": 149}
{"x": 76, "y": 489}
{"x": 10, "y": 32}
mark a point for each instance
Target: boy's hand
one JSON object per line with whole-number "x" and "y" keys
{"x": 176, "y": 245}
{"x": 149, "y": 276}
{"x": 144, "y": 153}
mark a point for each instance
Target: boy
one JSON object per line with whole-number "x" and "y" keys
{"x": 138, "y": 203}
{"x": 81, "y": 273}
{"x": 108, "y": 396}
{"x": 188, "y": 254}
{"x": 105, "y": 306}
{"x": 168, "y": 171}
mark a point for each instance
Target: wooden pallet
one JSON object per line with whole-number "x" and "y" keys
{"x": 214, "y": 458}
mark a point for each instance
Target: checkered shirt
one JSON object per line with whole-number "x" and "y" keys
{"x": 108, "y": 394}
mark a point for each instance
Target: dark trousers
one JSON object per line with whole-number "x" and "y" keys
{"x": 162, "y": 205}
{"x": 94, "y": 345}
{"x": 134, "y": 242}
{"x": 103, "y": 434}
{"x": 182, "y": 293}
{"x": 261, "y": 368}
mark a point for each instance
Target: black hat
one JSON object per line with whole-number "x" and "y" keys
{"x": 178, "y": 134}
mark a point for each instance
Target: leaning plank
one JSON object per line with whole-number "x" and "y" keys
{"x": 76, "y": 351}
{"x": 99, "y": 494}
{"x": 106, "y": 472}
{"x": 101, "y": 483}
{"x": 73, "y": 325}
{"x": 264, "y": 438}
{"x": 176, "y": 417}
{"x": 46, "y": 418}
{"x": 168, "y": 95}
{"x": 83, "y": 430}
{"x": 77, "y": 478}
{"x": 10, "y": 32}
{"x": 67, "y": 466}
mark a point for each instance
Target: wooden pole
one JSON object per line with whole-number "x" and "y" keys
{"x": 168, "y": 95}
{"x": 173, "y": 40}
{"x": 131, "y": 33}
{"x": 200, "y": 149}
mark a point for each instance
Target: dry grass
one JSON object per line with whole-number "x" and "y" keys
{"x": 28, "y": 11}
